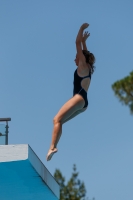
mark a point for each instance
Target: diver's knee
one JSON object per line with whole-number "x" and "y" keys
{"x": 56, "y": 120}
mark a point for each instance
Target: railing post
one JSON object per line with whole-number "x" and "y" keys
{"x": 6, "y": 132}
{"x": 6, "y": 129}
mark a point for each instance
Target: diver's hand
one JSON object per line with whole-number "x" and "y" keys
{"x": 85, "y": 36}
{"x": 84, "y": 26}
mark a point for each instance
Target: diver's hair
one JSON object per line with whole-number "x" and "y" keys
{"x": 90, "y": 58}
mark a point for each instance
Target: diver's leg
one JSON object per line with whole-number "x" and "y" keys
{"x": 71, "y": 117}
{"x": 68, "y": 109}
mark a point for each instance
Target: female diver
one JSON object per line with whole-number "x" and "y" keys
{"x": 82, "y": 77}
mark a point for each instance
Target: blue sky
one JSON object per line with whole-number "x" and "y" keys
{"x": 37, "y": 52}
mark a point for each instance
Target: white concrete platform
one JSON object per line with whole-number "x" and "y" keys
{"x": 20, "y": 164}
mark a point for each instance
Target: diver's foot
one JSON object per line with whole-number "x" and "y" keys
{"x": 51, "y": 153}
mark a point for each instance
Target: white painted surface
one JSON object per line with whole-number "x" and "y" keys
{"x": 13, "y": 152}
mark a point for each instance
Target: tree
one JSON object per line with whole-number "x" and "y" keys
{"x": 74, "y": 189}
{"x": 123, "y": 89}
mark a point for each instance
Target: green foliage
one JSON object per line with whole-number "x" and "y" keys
{"x": 123, "y": 89}
{"x": 74, "y": 189}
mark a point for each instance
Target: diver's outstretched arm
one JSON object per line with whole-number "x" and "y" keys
{"x": 79, "y": 42}
{"x": 80, "y": 32}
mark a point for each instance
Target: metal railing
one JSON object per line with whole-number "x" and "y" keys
{"x": 4, "y": 132}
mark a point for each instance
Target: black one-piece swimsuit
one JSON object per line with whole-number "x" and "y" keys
{"x": 78, "y": 88}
